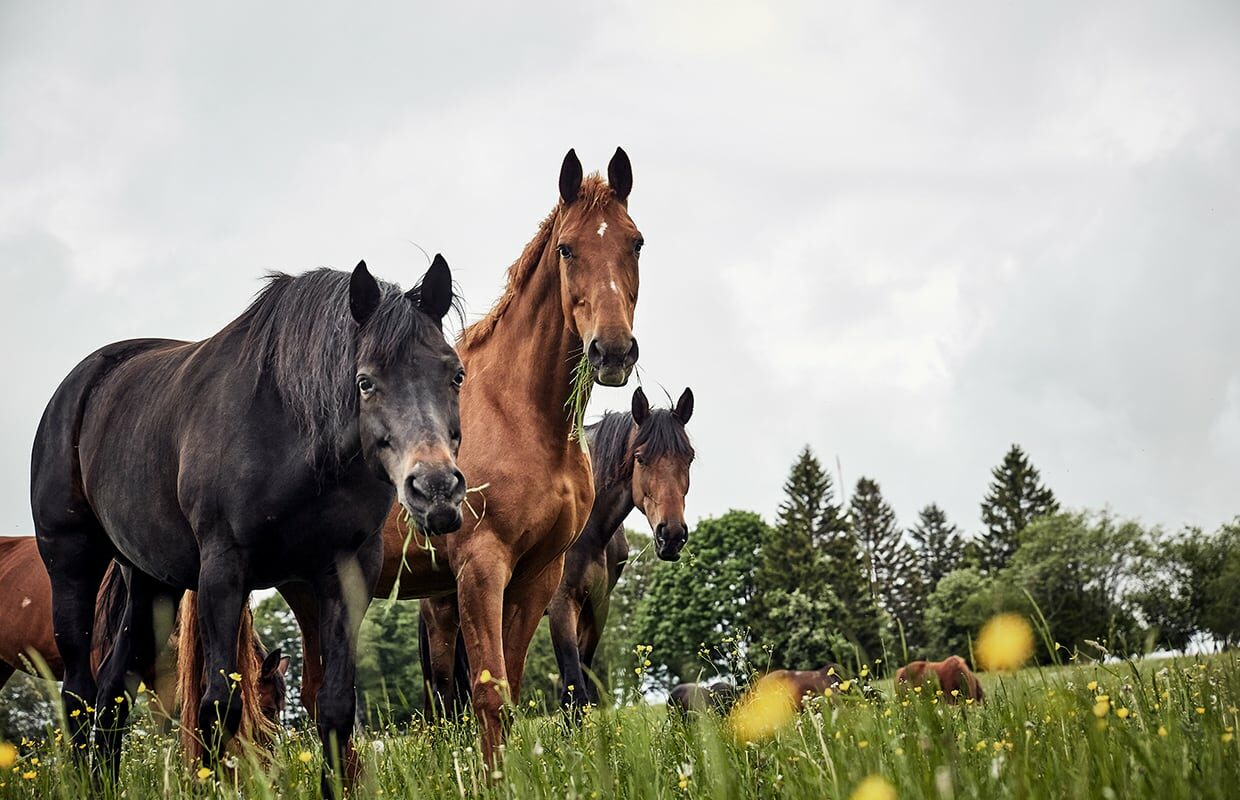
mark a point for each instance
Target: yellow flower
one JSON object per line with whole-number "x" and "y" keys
{"x": 141, "y": 687}
{"x": 1122, "y": 713}
{"x": 1102, "y": 707}
{"x": 485, "y": 677}
{"x": 1092, "y": 685}
{"x": 864, "y": 671}
{"x": 8, "y": 755}
{"x": 235, "y": 677}
{"x": 844, "y": 685}
{"x": 863, "y": 744}
{"x": 769, "y": 706}
{"x": 119, "y": 699}
{"x": 1005, "y": 642}
{"x": 684, "y": 783}
{"x": 203, "y": 773}
{"x": 77, "y": 712}
{"x": 1162, "y": 730}
{"x": 1201, "y": 710}
{"x": 1227, "y": 737}
{"x": 304, "y": 756}
{"x": 874, "y": 787}
{"x": 29, "y": 776}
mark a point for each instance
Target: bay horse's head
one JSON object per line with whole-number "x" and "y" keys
{"x": 661, "y": 458}
{"x": 273, "y": 685}
{"x": 598, "y": 245}
{"x": 409, "y": 382}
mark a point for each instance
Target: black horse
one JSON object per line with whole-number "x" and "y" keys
{"x": 640, "y": 460}
{"x": 266, "y": 454}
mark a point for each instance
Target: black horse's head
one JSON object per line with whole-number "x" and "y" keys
{"x": 408, "y": 383}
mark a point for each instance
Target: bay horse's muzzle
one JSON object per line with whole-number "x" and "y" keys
{"x": 669, "y": 540}
{"x": 612, "y": 360}
{"x": 433, "y": 497}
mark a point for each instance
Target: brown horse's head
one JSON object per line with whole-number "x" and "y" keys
{"x": 661, "y": 458}
{"x": 272, "y": 684}
{"x": 598, "y": 245}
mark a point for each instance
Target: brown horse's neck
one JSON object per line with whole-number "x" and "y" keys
{"x": 530, "y": 353}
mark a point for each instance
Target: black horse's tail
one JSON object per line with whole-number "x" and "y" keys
{"x": 460, "y": 673}
{"x": 109, "y": 614}
{"x": 461, "y": 683}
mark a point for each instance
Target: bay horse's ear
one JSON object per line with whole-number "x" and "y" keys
{"x": 363, "y": 293}
{"x": 684, "y": 406}
{"x": 641, "y": 407}
{"x": 272, "y": 663}
{"x": 570, "y": 177}
{"x": 435, "y": 291}
{"x": 620, "y": 174}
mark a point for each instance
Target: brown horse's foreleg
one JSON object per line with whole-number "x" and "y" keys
{"x": 305, "y": 607}
{"x": 480, "y": 598}
{"x": 441, "y": 625}
{"x": 524, "y": 605}
{"x": 565, "y": 614}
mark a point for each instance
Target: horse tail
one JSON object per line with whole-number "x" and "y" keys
{"x": 109, "y": 614}
{"x": 192, "y": 678}
{"x": 462, "y": 685}
{"x": 424, "y": 655}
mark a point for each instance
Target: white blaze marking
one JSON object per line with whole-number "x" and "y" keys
{"x": 613, "y": 287}
{"x": 25, "y": 601}
{"x": 602, "y": 228}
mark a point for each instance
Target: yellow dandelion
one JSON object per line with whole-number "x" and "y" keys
{"x": 1122, "y": 713}
{"x": 1162, "y": 730}
{"x": 769, "y": 706}
{"x": 1005, "y": 642}
{"x": 485, "y": 676}
{"x": 305, "y": 756}
{"x": 203, "y": 773}
{"x": 1092, "y": 685}
{"x": 874, "y": 787}
{"x": 8, "y": 755}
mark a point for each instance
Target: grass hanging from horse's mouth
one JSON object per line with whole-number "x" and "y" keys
{"x": 578, "y": 399}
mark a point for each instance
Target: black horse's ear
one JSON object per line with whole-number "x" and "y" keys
{"x": 570, "y": 178}
{"x": 684, "y": 406}
{"x": 620, "y": 174}
{"x": 271, "y": 663}
{"x": 641, "y": 407}
{"x": 363, "y": 293}
{"x": 435, "y": 290}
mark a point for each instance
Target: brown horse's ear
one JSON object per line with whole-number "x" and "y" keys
{"x": 284, "y": 662}
{"x": 620, "y": 174}
{"x": 570, "y": 178}
{"x": 271, "y": 663}
{"x": 434, "y": 293}
{"x": 363, "y": 293}
{"x": 684, "y": 406}
{"x": 641, "y": 407}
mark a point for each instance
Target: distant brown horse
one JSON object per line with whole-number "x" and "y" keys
{"x": 718, "y": 697}
{"x": 952, "y": 674}
{"x": 641, "y": 460}
{"x": 806, "y": 683}
{"x": 26, "y": 630}
{"x": 570, "y": 296}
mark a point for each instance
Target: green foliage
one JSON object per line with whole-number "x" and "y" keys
{"x": 26, "y": 707}
{"x": 1016, "y": 498}
{"x": 801, "y": 634}
{"x": 277, "y": 627}
{"x": 1189, "y": 584}
{"x": 955, "y": 611}
{"x": 389, "y": 669}
{"x": 937, "y": 544}
{"x": 691, "y": 604}
{"x": 890, "y": 564}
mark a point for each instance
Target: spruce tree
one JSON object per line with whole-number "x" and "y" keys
{"x": 1016, "y": 497}
{"x": 938, "y": 545}
{"x": 890, "y": 564}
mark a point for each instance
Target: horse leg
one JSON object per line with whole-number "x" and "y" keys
{"x": 76, "y": 561}
{"x": 589, "y": 634}
{"x": 524, "y": 605}
{"x": 565, "y": 614}
{"x": 6, "y": 672}
{"x": 305, "y": 607}
{"x": 133, "y": 650}
{"x": 439, "y": 624}
{"x": 480, "y": 599}
{"x": 221, "y": 600}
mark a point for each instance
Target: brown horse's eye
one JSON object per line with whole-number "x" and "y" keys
{"x": 565, "y": 251}
{"x": 637, "y": 247}
{"x": 639, "y": 458}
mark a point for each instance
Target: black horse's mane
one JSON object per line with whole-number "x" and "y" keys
{"x": 661, "y": 435}
{"x": 300, "y": 332}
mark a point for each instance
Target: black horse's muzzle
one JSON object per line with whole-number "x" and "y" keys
{"x": 433, "y": 497}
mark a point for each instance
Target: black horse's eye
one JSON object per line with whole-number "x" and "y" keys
{"x": 365, "y": 385}
{"x": 458, "y": 378}
{"x": 637, "y": 246}
{"x": 565, "y": 251}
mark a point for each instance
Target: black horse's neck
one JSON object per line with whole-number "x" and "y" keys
{"x": 612, "y": 462}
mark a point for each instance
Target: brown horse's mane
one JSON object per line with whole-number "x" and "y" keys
{"x": 595, "y": 193}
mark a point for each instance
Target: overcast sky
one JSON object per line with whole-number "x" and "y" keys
{"x": 908, "y": 235}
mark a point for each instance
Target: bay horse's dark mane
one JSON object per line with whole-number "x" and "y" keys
{"x": 611, "y": 457}
{"x": 300, "y": 332}
{"x": 595, "y": 193}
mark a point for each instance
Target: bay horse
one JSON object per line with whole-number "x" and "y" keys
{"x": 568, "y": 305}
{"x": 268, "y": 453}
{"x": 807, "y": 683}
{"x": 952, "y": 674}
{"x": 719, "y": 698}
{"x": 640, "y": 460}
{"x": 26, "y": 631}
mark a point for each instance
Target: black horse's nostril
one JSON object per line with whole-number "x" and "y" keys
{"x": 458, "y": 483}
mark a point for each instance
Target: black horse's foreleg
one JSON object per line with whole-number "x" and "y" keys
{"x": 590, "y": 631}
{"x": 565, "y": 613}
{"x": 222, "y": 597}
{"x": 439, "y": 627}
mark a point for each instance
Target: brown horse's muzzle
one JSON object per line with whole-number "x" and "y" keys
{"x": 670, "y": 539}
{"x": 612, "y": 358}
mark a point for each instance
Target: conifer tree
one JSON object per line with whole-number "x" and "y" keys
{"x": 1016, "y": 497}
{"x": 890, "y": 564}
{"x": 938, "y": 545}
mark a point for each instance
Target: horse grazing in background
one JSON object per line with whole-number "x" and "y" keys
{"x": 640, "y": 460}
{"x": 26, "y": 631}
{"x": 568, "y": 305}
{"x": 806, "y": 683}
{"x": 268, "y": 453}
{"x": 719, "y": 698}
{"x": 952, "y": 675}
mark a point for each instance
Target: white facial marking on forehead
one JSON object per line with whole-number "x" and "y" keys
{"x": 613, "y": 287}
{"x": 602, "y": 228}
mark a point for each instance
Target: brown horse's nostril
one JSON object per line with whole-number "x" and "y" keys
{"x": 630, "y": 358}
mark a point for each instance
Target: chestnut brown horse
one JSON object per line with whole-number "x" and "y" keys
{"x": 26, "y": 631}
{"x": 641, "y": 460}
{"x": 952, "y": 675}
{"x": 569, "y": 303}
{"x": 806, "y": 683}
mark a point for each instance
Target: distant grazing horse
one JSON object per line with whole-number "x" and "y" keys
{"x": 952, "y": 674}
{"x": 571, "y": 294}
{"x": 268, "y": 453}
{"x": 805, "y": 683}
{"x": 640, "y": 460}
{"x": 718, "y": 697}
{"x": 26, "y": 629}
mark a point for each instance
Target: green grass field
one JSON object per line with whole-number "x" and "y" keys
{"x": 1164, "y": 730}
